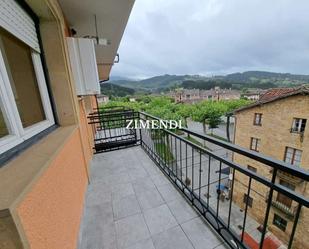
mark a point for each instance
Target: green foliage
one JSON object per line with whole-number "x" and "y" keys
{"x": 206, "y": 112}
{"x": 164, "y": 151}
{"x": 112, "y": 90}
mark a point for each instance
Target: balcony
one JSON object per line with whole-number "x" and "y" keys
{"x": 131, "y": 204}
{"x": 289, "y": 211}
{"x": 164, "y": 191}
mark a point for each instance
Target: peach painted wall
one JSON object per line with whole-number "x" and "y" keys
{"x": 50, "y": 213}
{"x": 87, "y": 135}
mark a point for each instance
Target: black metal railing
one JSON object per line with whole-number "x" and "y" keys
{"x": 213, "y": 176}
{"x": 109, "y": 126}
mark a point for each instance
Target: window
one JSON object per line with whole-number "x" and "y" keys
{"x": 280, "y": 222}
{"x": 23, "y": 82}
{"x": 25, "y": 108}
{"x": 299, "y": 125}
{"x": 255, "y": 144}
{"x": 282, "y": 198}
{"x": 249, "y": 199}
{"x": 292, "y": 156}
{"x": 253, "y": 169}
{"x": 257, "y": 119}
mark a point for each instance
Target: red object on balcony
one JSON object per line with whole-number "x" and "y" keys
{"x": 250, "y": 242}
{"x": 269, "y": 242}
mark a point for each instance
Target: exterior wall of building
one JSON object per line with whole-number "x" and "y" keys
{"x": 42, "y": 189}
{"x": 50, "y": 212}
{"x": 275, "y": 135}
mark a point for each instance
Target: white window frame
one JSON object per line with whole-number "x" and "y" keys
{"x": 292, "y": 152}
{"x": 257, "y": 119}
{"x": 18, "y": 133}
{"x": 297, "y": 128}
{"x": 255, "y": 144}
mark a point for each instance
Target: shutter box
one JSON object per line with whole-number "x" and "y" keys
{"x": 84, "y": 65}
{"x": 15, "y": 20}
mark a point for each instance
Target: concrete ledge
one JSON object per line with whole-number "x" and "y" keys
{"x": 19, "y": 173}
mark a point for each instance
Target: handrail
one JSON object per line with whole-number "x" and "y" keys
{"x": 275, "y": 163}
{"x": 276, "y": 186}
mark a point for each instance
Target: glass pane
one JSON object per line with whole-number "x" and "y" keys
{"x": 3, "y": 128}
{"x": 17, "y": 57}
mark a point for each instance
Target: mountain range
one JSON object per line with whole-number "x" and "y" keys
{"x": 249, "y": 79}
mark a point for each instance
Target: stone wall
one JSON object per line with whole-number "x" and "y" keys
{"x": 275, "y": 135}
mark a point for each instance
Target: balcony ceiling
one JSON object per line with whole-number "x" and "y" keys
{"x": 112, "y": 17}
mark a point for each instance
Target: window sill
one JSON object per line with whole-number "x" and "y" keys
{"x": 297, "y": 132}
{"x": 16, "y": 175}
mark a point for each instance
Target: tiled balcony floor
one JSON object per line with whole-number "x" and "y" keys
{"x": 131, "y": 204}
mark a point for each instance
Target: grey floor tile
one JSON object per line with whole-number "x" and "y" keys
{"x": 93, "y": 214}
{"x": 200, "y": 234}
{"x": 122, "y": 190}
{"x": 125, "y": 206}
{"x": 131, "y": 230}
{"x": 149, "y": 198}
{"x": 173, "y": 238}
{"x": 145, "y": 244}
{"x": 159, "y": 219}
{"x": 169, "y": 193}
{"x": 144, "y": 183}
{"x": 137, "y": 173}
{"x": 98, "y": 197}
{"x": 99, "y": 186}
{"x": 109, "y": 240}
{"x": 182, "y": 210}
{"x": 125, "y": 186}
{"x": 151, "y": 169}
{"x": 222, "y": 246}
{"x": 96, "y": 234}
{"x": 159, "y": 179}
{"x": 112, "y": 179}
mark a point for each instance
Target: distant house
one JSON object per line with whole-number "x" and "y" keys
{"x": 253, "y": 94}
{"x": 196, "y": 95}
{"x": 102, "y": 99}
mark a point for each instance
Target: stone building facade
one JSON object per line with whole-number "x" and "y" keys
{"x": 275, "y": 126}
{"x": 196, "y": 95}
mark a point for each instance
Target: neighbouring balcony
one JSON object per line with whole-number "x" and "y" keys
{"x": 289, "y": 211}
{"x": 154, "y": 188}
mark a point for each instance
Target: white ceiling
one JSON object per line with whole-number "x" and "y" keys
{"x": 112, "y": 17}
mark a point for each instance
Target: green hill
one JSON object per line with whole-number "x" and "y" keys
{"x": 250, "y": 79}
{"x": 157, "y": 82}
{"x": 115, "y": 90}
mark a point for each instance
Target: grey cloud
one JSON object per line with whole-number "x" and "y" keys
{"x": 215, "y": 37}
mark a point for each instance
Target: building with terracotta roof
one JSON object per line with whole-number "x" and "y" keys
{"x": 275, "y": 125}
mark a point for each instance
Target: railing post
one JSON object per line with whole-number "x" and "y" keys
{"x": 270, "y": 197}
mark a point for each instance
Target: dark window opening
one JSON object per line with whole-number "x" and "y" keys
{"x": 257, "y": 119}
{"x": 280, "y": 222}
{"x": 249, "y": 199}
{"x": 255, "y": 144}
{"x": 253, "y": 169}
{"x": 299, "y": 125}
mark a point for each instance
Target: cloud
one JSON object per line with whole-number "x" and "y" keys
{"x": 215, "y": 37}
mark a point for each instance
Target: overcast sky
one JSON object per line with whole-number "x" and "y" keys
{"x": 212, "y": 37}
